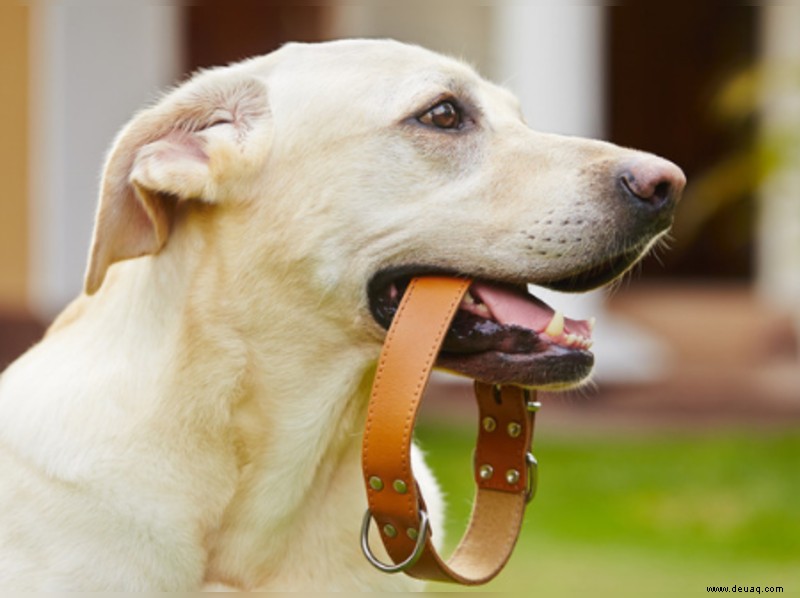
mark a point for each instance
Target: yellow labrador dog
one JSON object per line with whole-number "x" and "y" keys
{"x": 194, "y": 418}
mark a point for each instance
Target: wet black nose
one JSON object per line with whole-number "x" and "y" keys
{"x": 653, "y": 182}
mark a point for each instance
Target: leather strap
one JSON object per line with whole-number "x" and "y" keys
{"x": 504, "y": 467}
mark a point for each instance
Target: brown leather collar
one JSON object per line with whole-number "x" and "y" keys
{"x": 505, "y": 470}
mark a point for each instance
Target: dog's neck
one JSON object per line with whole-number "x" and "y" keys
{"x": 275, "y": 398}
{"x": 297, "y": 411}
{"x": 297, "y": 426}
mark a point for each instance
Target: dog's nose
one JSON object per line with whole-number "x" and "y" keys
{"x": 656, "y": 182}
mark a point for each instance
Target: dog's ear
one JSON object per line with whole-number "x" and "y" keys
{"x": 189, "y": 147}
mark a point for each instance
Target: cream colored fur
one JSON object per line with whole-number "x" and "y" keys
{"x": 195, "y": 417}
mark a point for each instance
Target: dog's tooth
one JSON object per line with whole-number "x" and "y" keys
{"x": 592, "y": 321}
{"x": 556, "y": 326}
{"x": 481, "y": 309}
{"x": 468, "y": 299}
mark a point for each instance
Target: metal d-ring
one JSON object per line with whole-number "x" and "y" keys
{"x": 531, "y": 404}
{"x": 533, "y": 476}
{"x": 422, "y": 535}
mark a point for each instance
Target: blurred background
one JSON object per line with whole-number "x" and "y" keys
{"x": 679, "y": 468}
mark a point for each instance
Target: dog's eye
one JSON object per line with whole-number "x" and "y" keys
{"x": 444, "y": 115}
{"x": 220, "y": 117}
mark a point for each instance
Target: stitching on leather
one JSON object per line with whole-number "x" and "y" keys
{"x": 405, "y": 444}
{"x": 418, "y": 391}
{"x": 377, "y": 384}
{"x": 423, "y": 378}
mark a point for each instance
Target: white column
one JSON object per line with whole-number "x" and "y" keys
{"x": 93, "y": 65}
{"x": 454, "y": 27}
{"x": 552, "y": 57}
{"x": 778, "y": 271}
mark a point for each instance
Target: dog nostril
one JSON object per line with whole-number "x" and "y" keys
{"x": 654, "y": 182}
{"x": 661, "y": 193}
{"x": 648, "y": 191}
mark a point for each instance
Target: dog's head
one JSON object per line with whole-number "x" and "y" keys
{"x": 350, "y": 167}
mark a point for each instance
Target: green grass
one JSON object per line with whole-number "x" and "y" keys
{"x": 668, "y": 514}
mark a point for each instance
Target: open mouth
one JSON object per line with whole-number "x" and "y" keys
{"x": 500, "y": 334}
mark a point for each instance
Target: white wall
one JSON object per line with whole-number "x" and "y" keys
{"x": 93, "y": 65}
{"x": 456, "y": 27}
{"x": 552, "y": 57}
{"x": 779, "y": 227}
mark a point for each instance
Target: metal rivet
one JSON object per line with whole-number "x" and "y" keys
{"x": 512, "y": 476}
{"x": 485, "y": 471}
{"x": 400, "y": 486}
{"x": 412, "y": 533}
{"x": 376, "y": 483}
{"x": 389, "y": 530}
{"x": 489, "y": 424}
{"x": 514, "y": 429}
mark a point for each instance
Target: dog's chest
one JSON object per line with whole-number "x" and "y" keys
{"x": 285, "y": 533}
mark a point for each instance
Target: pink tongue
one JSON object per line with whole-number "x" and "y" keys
{"x": 509, "y": 306}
